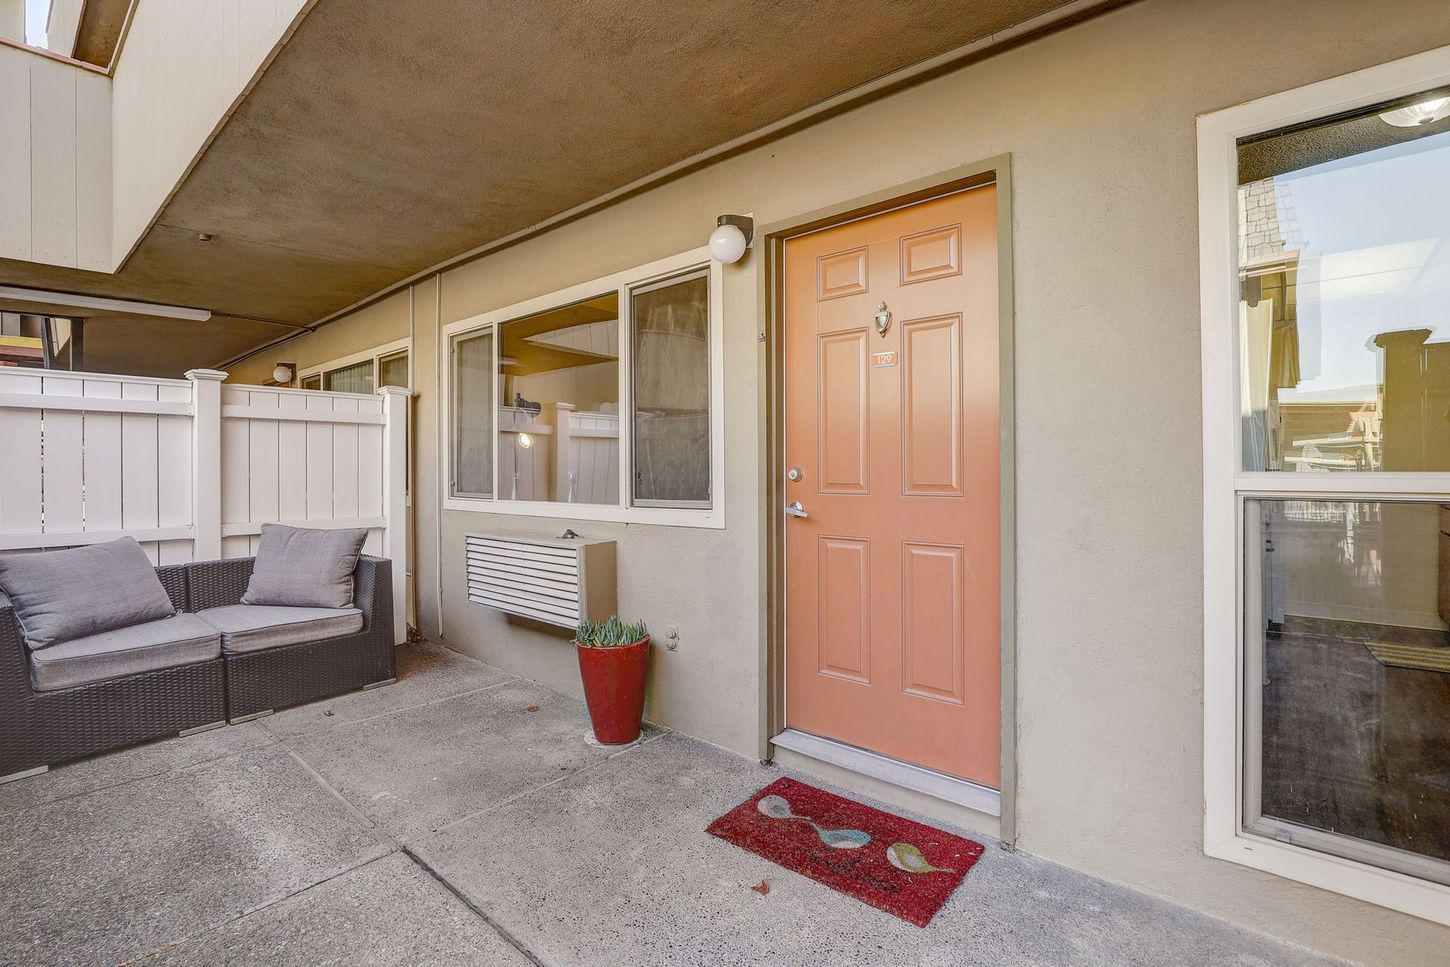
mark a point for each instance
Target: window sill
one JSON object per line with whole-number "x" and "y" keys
{"x": 1408, "y": 894}
{"x": 659, "y": 516}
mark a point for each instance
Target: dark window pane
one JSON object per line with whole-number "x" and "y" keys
{"x": 393, "y": 370}
{"x": 1348, "y": 672}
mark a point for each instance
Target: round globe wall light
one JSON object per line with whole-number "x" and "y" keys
{"x": 731, "y": 238}
{"x": 282, "y": 373}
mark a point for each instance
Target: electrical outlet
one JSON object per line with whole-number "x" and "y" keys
{"x": 672, "y": 638}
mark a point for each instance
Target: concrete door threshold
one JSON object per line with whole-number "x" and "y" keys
{"x": 956, "y": 801}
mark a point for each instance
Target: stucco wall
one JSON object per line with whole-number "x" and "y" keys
{"x": 382, "y": 322}
{"x": 183, "y": 67}
{"x": 1099, "y": 121}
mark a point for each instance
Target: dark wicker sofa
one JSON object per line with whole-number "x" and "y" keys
{"x": 42, "y": 728}
{"x": 275, "y": 678}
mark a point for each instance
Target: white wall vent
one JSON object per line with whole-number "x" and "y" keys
{"x": 556, "y": 580}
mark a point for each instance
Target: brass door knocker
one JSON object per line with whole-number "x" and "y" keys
{"x": 883, "y": 319}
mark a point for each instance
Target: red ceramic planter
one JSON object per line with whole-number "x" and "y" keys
{"x": 614, "y": 689}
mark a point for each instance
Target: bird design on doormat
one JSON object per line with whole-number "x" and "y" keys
{"x": 776, "y": 807}
{"x": 909, "y": 859}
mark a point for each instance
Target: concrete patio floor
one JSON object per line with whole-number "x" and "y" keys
{"x": 460, "y": 817}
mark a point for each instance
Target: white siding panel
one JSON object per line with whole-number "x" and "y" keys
{"x": 20, "y": 481}
{"x": 93, "y": 171}
{"x": 263, "y": 472}
{"x": 53, "y": 162}
{"x": 319, "y": 461}
{"x": 345, "y": 462}
{"x": 15, "y": 154}
{"x": 291, "y": 461}
{"x": 62, "y": 475}
{"x": 236, "y": 547}
{"x": 236, "y": 470}
{"x": 140, "y": 493}
{"x": 103, "y": 460}
{"x": 370, "y": 459}
{"x": 173, "y": 462}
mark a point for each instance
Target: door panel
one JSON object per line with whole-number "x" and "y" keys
{"x": 931, "y": 406}
{"x": 845, "y": 607}
{"x": 931, "y": 255}
{"x": 933, "y": 634}
{"x": 842, "y": 273}
{"x": 845, "y": 411}
{"x": 893, "y": 578}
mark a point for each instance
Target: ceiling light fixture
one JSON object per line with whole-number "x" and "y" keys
{"x": 1426, "y": 112}
{"x": 731, "y": 237}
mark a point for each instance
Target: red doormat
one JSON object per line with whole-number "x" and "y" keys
{"x": 894, "y": 864}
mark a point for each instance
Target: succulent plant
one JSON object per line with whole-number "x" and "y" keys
{"x": 610, "y": 633}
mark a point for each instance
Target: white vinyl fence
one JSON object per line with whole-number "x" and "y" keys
{"x": 192, "y": 468}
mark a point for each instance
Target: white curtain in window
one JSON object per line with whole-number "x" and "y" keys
{"x": 473, "y": 415}
{"x": 671, "y": 327}
{"x": 352, "y": 379}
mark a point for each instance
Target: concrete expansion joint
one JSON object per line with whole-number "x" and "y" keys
{"x": 475, "y": 909}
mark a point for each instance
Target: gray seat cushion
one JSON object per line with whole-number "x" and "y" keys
{"x": 63, "y": 595}
{"x": 299, "y": 567}
{"x": 181, "y": 640}
{"x": 254, "y": 627}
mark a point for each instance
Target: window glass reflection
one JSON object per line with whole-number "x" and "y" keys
{"x": 558, "y": 406}
{"x": 1345, "y": 294}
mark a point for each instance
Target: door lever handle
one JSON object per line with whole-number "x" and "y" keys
{"x": 794, "y": 509}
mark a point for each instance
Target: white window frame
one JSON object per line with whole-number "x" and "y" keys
{"x": 626, "y": 511}
{"x": 375, "y": 354}
{"x": 1227, "y": 486}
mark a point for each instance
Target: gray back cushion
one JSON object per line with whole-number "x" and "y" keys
{"x": 298, "y": 567}
{"x": 62, "y": 595}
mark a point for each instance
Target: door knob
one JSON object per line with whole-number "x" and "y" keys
{"x": 794, "y": 509}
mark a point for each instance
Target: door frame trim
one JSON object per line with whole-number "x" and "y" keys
{"x": 770, "y": 248}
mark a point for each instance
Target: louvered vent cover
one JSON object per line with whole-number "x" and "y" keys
{"x": 549, "y": 579}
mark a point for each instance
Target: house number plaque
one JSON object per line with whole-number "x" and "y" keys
{"x": 879, "y": 360}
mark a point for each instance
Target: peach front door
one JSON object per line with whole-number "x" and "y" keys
{"x": 893, "y": 575}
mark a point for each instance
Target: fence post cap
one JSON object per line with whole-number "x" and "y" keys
{"x": 394, "y": 391}
{"x": 215, "y": 374}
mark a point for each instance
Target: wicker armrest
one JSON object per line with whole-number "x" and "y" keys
{"x": 373, "y": 591}
{"x": 14, "y": 661}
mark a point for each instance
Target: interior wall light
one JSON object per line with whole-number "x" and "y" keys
{"x": 282, "y": 374}
{"x": 1426, "y": 112}
{"x": 731, "y": 237}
